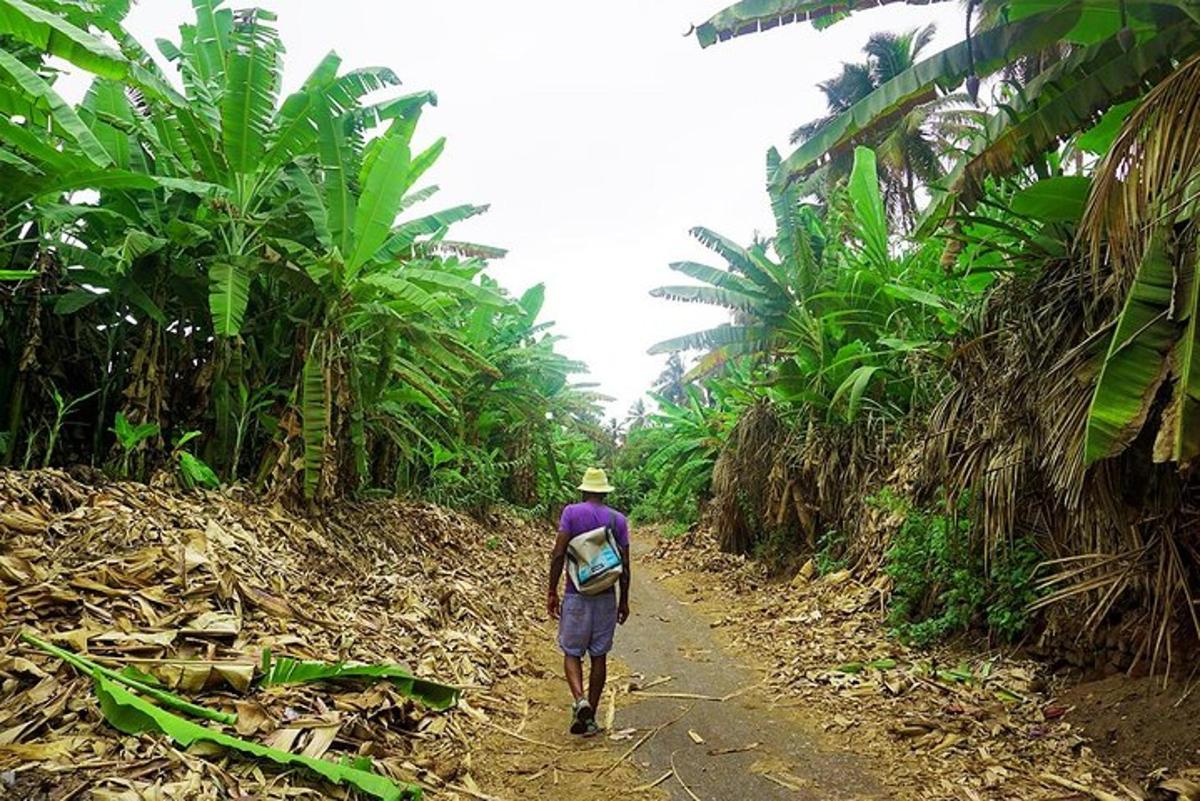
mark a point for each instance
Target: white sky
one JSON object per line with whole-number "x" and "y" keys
{"x": 598, "y": 133}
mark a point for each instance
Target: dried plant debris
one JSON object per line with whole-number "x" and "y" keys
{"x": 941, "y": 724}
{"x": 366, "y": 611}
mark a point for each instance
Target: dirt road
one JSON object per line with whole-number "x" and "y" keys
{"x": 744, "y": 746}
{"x": 667, "y": 637}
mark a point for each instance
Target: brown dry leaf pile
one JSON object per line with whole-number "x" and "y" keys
{"x": 937, "y": 725}
{"x": 193, "y": 588}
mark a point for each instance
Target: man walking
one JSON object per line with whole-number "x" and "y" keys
{"x": 586, "y": 623}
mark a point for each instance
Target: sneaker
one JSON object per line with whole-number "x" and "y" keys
{"x": 593, "y": 728}
{"x": 581, "y": 716}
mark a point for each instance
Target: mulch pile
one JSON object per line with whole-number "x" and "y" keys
{"x": 940, "y": 724}
{"x": 192, "y": 588}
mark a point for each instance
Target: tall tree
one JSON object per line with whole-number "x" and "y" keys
{"x": 670, "y": 382}
{"x": 907, "y": 149}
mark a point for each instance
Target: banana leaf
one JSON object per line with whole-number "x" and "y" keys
{"x": 1061, "y": 198}
{"x": 989, "y": 51}
{"x": 53, "y": 34}
{"x": 752, "y": 16}
{"x": 133, "y": 715}
{"x": 130, "y": 679}
{"x": 1137, "y": 362}
{"x": 284, "y": 670}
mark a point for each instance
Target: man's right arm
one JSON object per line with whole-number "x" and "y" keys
{"x": 557, "y": 562}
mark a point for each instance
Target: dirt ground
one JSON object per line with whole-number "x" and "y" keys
{"x": 723, "y": 690}
{"x": 1139, "y": 724}
{"x": 953, "y": 723}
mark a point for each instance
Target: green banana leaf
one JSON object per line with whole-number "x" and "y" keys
{"x": 722, "y": 336}
{"x": 712, "y": 295}
{"x": 1137, "y": 360}
{"x": 64, "y": 116}
{"x": 985, "y": 53}
{"x": 752, "y": 16}
{"x": 228, "y": 297}
{"x": 284, "y": 670}
{"x": 133, "y": 715}
{"x": 135, "y": 680}
{"x": 1061, "y": 198}
{"x": 253, "y": 69}
{"x": 314, "y": 419}
{"x": 870, "y": 216}
{"x": 1099, "y": 138}
{"x": 53, "y": 34}
{"x": 1068, "y": 98}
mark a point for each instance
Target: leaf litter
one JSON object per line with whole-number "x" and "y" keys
{"x": 187, "y": 594}
{"x": 943, "y": 724}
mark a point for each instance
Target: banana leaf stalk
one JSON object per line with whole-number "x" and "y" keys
{"x": 133, "y": 715}
{"x": 90, "y": 668}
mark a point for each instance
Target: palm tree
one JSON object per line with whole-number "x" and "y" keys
{"x": 670, "y": 381}
{"x": 908, "y": 149}
{"x": 637, "y": 417}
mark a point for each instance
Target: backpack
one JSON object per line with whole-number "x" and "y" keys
{"x": 594, "y": 560}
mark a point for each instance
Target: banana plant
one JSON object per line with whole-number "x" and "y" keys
{"x": 370, "y": 274}
{"x": 760, "y": 285}
{"x": 1143, "y": 225}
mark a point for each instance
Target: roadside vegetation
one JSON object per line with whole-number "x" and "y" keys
{"x": 200, "y": 277}
{"x": 964, "y": 357}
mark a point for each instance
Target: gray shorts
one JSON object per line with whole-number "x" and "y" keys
{"x": 587, "y": 623}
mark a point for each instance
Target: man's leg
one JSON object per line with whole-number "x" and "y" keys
{"x": 599, "y": 675}
{"x": 573, "y": 666}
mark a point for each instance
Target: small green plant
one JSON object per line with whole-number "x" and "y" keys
{"x": 1013, "y": 589}
{"x": 62, "y": 408}
{"x": 249, "y": 406}
{"x": 129, "y": 437}
{"x": 468, "y": 479}
{"x": 193, "y": 472}
{"x": 673, "y": 529}
{"x": 831, "y": 553}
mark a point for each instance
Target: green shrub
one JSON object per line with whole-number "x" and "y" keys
{"x": 942, "y": 585}
{"x": 831, "y": 553}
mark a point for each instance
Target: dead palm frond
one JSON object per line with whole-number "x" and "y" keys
{"x": 1150, "y": 175}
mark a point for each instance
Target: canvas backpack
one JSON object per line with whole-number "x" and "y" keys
{"x": 594, "y": 560}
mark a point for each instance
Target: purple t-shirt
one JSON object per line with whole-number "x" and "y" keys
{"x": 580, "y": 518}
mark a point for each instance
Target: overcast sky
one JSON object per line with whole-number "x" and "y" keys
{"x": 598, "y": 133}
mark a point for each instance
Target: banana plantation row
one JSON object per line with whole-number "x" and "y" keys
{"x": 213, "y": 282}
{"x": 967, "y": 354}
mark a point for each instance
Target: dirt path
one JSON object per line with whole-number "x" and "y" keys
{"x": 752, "y": 748}
{"x": 667, "y": 637}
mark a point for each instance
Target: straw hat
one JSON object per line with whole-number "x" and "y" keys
{"x": 595, "y": 480}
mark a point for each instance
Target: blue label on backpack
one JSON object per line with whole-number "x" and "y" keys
{"x": 605, "y": 561}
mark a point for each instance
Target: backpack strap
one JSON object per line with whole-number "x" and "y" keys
{"x": 612, "y": 535}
